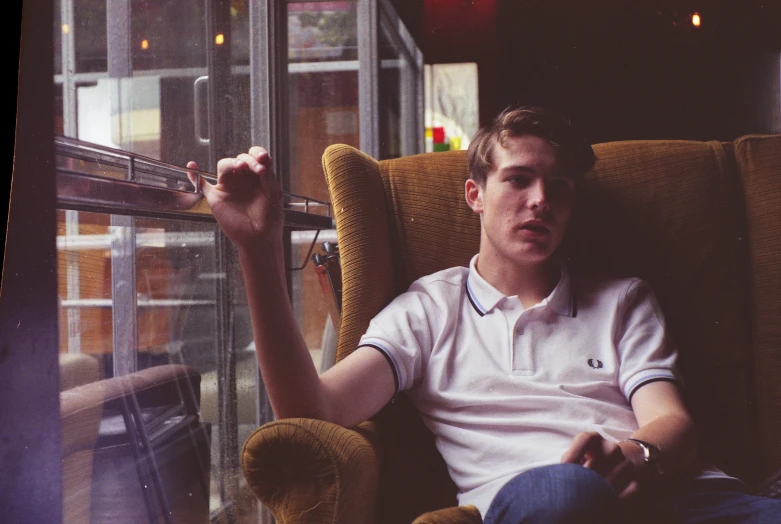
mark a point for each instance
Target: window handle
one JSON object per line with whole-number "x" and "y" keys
{"x": 200, "y": 93}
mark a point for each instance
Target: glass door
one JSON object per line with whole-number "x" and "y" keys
{"x": 141, "y": 88}
{"x": 163, "y": 81}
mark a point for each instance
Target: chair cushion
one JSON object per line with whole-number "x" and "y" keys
{"x": 665, "y": 211}
{"x": 759, "y": 163}
{"x": 77, "y": 369}
{"x": 669, "y": 212}
{"x": 358, "y": 202}
{"x": 432, "y": 226}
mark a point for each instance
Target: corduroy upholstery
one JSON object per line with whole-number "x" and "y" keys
{"x": 697, "y": 220}
{"x": 759, "y": 161}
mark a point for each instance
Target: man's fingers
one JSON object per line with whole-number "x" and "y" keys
{"x": 233, "y": 172}
{"x": 581, "y": 448}
{"x": 630, "y": 491}
{"x": 268, "y": 181}
{"x": 605, "y": 458}
{"x": 621, "y": 476}
{"x": 190, "y": 174}
{"x": 198, "y": 181}
{"x": 254, "y": 164}
{"x": 261, "y": 155}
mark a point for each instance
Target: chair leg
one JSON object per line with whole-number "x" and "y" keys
{"x": 149, "y": 469}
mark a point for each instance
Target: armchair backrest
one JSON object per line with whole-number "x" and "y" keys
{"x": 670, "y": 212}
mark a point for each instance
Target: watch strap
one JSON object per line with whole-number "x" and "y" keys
{"x": 651, "y": 454}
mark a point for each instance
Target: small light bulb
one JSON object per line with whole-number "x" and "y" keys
{"x": 144, "y": 44}
{"x": 219, "y": 39}
{"x": 66, "y": 29}
{"x": 696, "y": 20}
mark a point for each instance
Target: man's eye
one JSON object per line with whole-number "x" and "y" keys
{"x": 519, "y": 181}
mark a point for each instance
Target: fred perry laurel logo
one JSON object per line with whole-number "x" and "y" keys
{"x": 596, "y": 364}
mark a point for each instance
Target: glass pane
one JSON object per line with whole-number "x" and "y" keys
{"x": 59, "y": 128}
{"x": 89, "y": 34}
{"x": 168, "y": 35}
{"x": 322, "y": 31}
{"x": 323, "y": 97}
{"x": 84, "y": 288}
{"x": 391, "y": 71}
{"x": 57, "y": 39}
{"x": 177, "y": 290}
{"x": 451, "y": 113}
{"x": 313, "y": 300}
{"x": 135, "y": 447}
{"x": 154, "y": 113}
{"x": 149, "y": 115}
{"x": 239, "y": 13}
{"x": 176, "y": 285}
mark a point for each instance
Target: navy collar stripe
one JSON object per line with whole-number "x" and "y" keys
{"x": 573, "y": 306}
{"x": 473, "y": 300}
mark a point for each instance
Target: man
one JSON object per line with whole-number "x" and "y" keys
{"x": 552, "y": 398}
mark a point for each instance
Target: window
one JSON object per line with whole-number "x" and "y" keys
{"x": 148, "y": 303}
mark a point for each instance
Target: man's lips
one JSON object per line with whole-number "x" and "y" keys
{"x": 535, "y": 226}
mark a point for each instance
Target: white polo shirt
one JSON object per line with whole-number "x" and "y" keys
{"x": 505, "y": 389}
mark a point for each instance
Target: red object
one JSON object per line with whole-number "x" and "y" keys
{"x": 459, "y": 30}
{"x": 439, "y": 135}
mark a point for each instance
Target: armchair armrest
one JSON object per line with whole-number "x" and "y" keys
{"x": 313, "y": 471}
{"x": 456, "y": 515}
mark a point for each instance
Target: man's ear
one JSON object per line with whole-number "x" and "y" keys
{"x": 473, "y": 193}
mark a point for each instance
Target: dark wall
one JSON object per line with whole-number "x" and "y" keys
{"x": 621, "y": 70}
{"x": 645, "y": 71}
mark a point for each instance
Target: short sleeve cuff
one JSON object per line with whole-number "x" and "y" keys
{"x": 384, "y": 348}
{"x": 646, "y": 377}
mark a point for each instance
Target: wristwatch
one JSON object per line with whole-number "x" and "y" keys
{"x": 651, "y": 456}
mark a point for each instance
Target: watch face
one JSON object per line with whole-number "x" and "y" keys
{"x": 651, "y": 456}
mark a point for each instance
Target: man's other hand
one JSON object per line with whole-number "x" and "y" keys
{"x": 592, "y": 451}
{"x": 246, "y": 200}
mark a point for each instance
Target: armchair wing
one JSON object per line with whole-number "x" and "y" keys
{"x": 310, "y": 471}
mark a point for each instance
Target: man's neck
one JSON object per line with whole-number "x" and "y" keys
{"x": 531, "y": 283}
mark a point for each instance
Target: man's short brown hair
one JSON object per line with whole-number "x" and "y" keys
{"x": 573, "y": 150}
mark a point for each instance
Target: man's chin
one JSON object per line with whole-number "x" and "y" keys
{"x": 531, "y": 256}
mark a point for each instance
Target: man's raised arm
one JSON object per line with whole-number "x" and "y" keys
{"x": 247, "y": 203}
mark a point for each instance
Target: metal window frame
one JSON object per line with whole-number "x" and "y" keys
{"x": 412, "y": 99}
{"x": 72, "y": 270}
{"x": 124, "y": 318}
{"x": 368, "y": 75}
{"x": 136, "y": 196}
{"x": 372, "y": 16}
{"x": 269, "y": 121}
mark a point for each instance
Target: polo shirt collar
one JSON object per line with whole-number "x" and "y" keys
{"x": 484, "y": 297}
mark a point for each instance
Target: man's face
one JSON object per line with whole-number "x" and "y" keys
{"x": 526, "y": 202}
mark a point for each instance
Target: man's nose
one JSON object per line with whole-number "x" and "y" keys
{"x": 537, "y": 195}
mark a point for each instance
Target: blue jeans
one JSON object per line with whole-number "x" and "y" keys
{"x": 555, "y": 494}
{"x": 569, "y": 494}
{"x": 718, "y": 502}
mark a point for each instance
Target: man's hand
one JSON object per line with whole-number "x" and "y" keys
{"x": 592, "y": 451}
{"x": 246, "y": 200}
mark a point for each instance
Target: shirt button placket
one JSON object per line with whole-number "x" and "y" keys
{"x": 522, "y": 358}
{"x": 519, "y": 363}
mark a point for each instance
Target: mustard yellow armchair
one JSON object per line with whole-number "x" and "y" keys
{"x": 697, "y": 220}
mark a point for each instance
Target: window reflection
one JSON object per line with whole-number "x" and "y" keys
{"x": 323, "y": 98}
{"x": 160, "y": 304}
{"x": 177, "y": 284}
